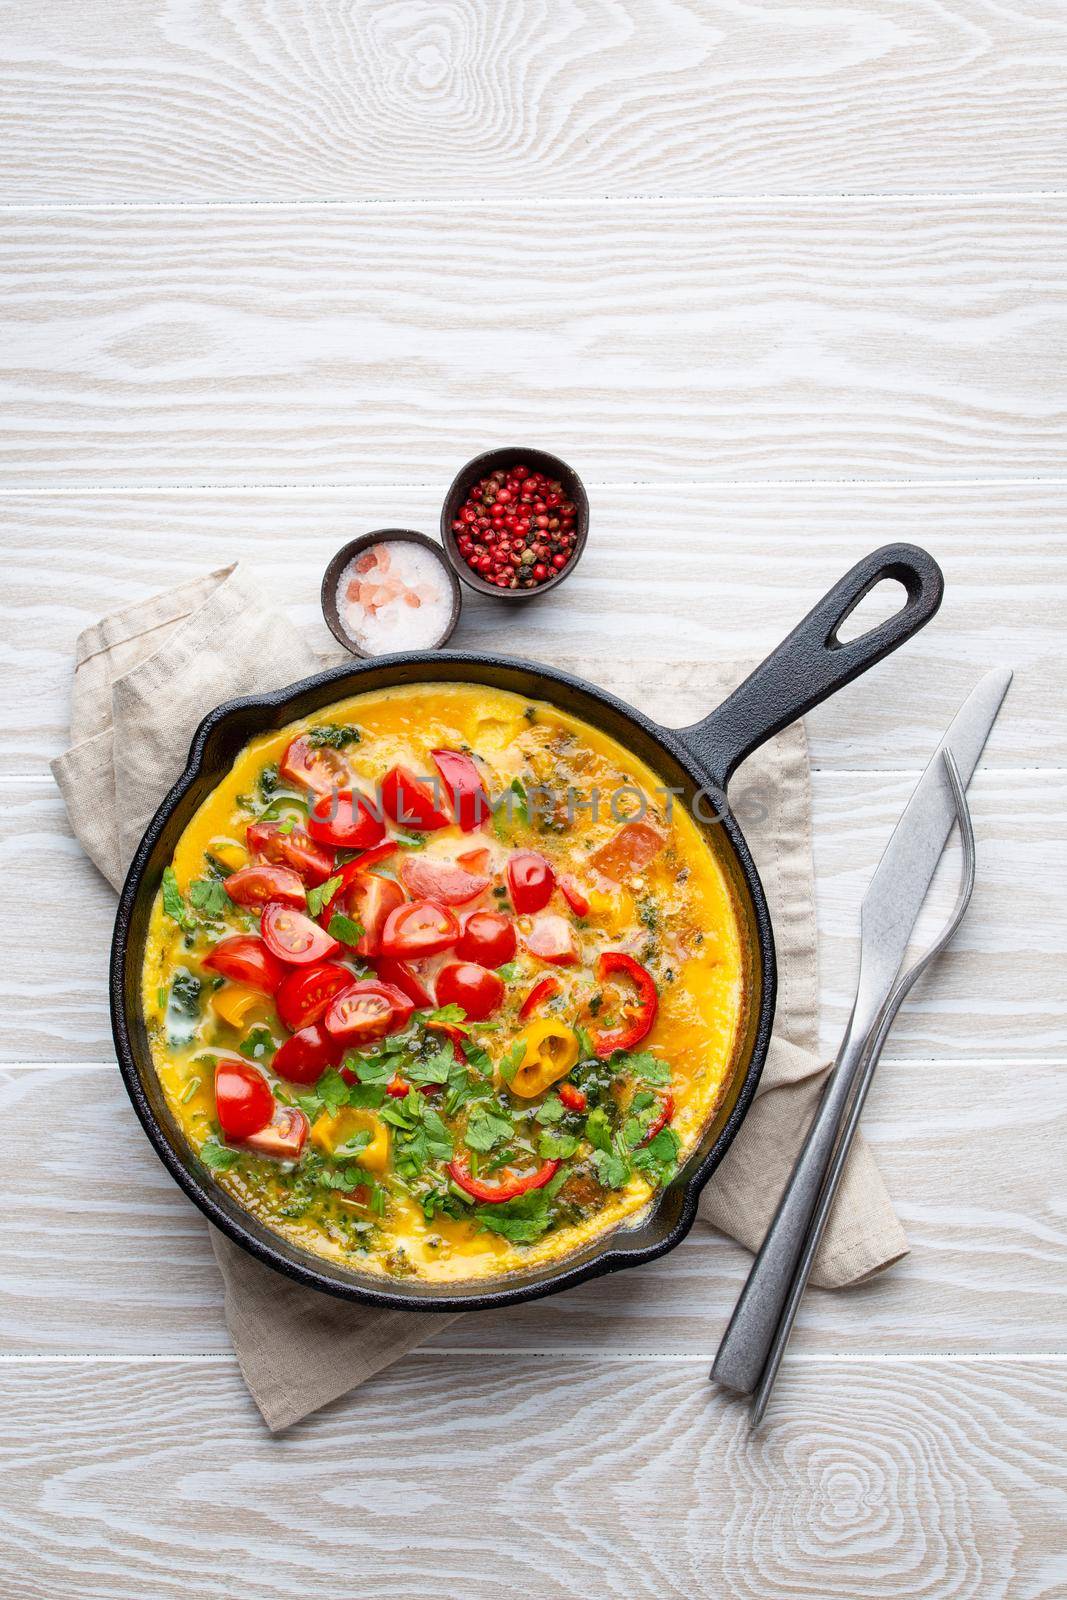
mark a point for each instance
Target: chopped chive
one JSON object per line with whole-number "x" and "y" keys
{"x": 190, "y": 1089}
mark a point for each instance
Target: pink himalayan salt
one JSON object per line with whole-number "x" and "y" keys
{"x": 408, "y": 610}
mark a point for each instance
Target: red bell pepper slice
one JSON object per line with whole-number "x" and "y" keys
{"x": 543, "y": 989}
{"x": 572, "y": 1097}
{"x": 508, "y": 1188}
{"x": 640, "y": 1016}
{"x": 571, "y": 891}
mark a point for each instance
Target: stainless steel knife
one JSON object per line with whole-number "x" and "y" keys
{"x": 888, "y": 915}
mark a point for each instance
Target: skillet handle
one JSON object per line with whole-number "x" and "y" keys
{"x": 812, "y": 662}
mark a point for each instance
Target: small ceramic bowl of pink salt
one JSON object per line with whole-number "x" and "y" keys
{"x": 390, "y": 590}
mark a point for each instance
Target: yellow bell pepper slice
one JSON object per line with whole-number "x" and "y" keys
{"x": 235, "y": 1003}
{"x": 550, "y": 1050}
{"x": 333, "y": 1129}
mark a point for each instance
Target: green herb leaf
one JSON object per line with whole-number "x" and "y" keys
{"x": 332, "y": 1089}
{"x": 345, "y": 929}
{"x": 511, "y": 1062}
{"x": 435, "y": 1068}
{"x": 557, "y": 1146}
{"x": 208, "y": 896}
{"x": 258, "y": 1045}
{"x": 317, "y": 897}
{"x": 613, "y": 1170}
{"x": 519, "y": 792}
{"x": 219, "y": 1157}
{"x": 509, "y": 971}
{"x": 333, "y": 735}
{"x": 487, "y": 1128}
{"x": 173, "y": 904}
{"x": 550, "y": 1110}
{"x": 598, "y": 1129}
{"x": 452, "y": 1016}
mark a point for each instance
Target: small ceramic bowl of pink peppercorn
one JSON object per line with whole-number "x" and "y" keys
{"x": 515, "y": 522}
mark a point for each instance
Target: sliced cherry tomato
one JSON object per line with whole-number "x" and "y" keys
{"x": 464, "y": 787}
{"x": 284, "y": 1137}
{"x": 254, "y": 886}
{"x": 346, "y": 818}
{"x": 295, "y": 849}
{"x": 243, "y": 1097}
{"x": 542, "y": 990}
{"x": 475, "y": 988}
{"x": 293, "y": 937}
{"x": 369, "y": 900}
{"x": 629, "y": 850}
{"x": 422, "y": 928}
{"x": 349, "y": 870}
{"x": 443, "y": 881}
{"x": 245, "y": 958}
{"x": 552, "y": 939}
{"x": 572, "y": 893}
{"x": 666, "y": 1113}
{"x": 640, "y": 1014}
{"x": 475, "y": 860}
{"x": 305, "y": 1057}
{"x": 530, "y": 881}
{"x": 306, "y": 993}
{"x": 404, "y": 977}
{"x": 507, "y": 1187}
{"x": 367, "y": 1010}
{"x": 318, "y": 768}
{"x": 572, "y": 1097}
{"x": 410, "y": 801}
{"x": 488, "y": 938}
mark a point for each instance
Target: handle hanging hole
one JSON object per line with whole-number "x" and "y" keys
{"x": 883, "y": 601}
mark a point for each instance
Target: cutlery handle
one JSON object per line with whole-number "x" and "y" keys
{"x": 742, "y": 1355}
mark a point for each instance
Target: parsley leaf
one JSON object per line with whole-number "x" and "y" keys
{"x": 643, "y": 1065}
{"x": 598, "y": 1129}
{"x": 218, "y": 1156}
{"x": 317, "y": 897}
{"x": 487, "y": 1128}
{"x": 557, "y": 1146}
{"x": 345, "y": 929}
{"x": 509, "y": 971}
{"x": 524, "y": 1219}
{"x": 550, "y": 1109}
{"x": 452, "y": 1016}
{"x": 258, "y": 1045}
{"x": 613, "y": 1169}
{"x": 510, "y": 1063}
{"x": 334, "y": 735}
{"x": 208, "y": 896}
{"x": 332, "y": 1089}
{"x": 173, "y": 904}
{"x": 436, "y": 1069}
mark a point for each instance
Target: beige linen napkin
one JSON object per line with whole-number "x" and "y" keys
{"x": 143, "y": 679}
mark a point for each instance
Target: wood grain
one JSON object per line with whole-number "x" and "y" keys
{"x": 1000, "y": 990}
{"x": 746, "y": 561}
{"x": 450, "y": 1476}
{"x": 267, "y": 100}
{"x": 685, "y": 340}
{"x": 102, "y": 1253}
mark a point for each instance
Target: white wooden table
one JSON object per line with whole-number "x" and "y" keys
{"x": 784, "y": 282}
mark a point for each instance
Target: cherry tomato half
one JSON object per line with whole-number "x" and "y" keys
{"x": 369, "y": 899}
{"x": 305, "y": 1057}
{"x": 346, "y": 818}
{"x": 464, "y": 787}
{"x": 306, "y": 993}
{"x": 552, "y": 939}
{"x": 443, "y": 881}
{"x": 367, "y": 1010}
{"x": 488, "y": 938}
{"x": 245, "y": 958}
{"x": 293, "y": 937}
{"x": 475, "y": 988}
{"x": 254, "y": 886}
{"x": 348, "y": 871}
{"x": 410, "y": 802}
{"x": 318, "y": 768}
{"x": 284, "y": 1136}
{"x": 243, "y": 1097}
{"x": 530, "y": 881}
{"x": 295, "y": 849}
{"x": 422, "y": 928}
{"x": 403, "y": 976}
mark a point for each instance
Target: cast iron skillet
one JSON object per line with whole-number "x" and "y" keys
{"x": 807, "y": 667}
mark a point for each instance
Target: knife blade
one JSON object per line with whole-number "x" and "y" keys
{"x": 888, "y": 914}
{"x": 902, "y": 877}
